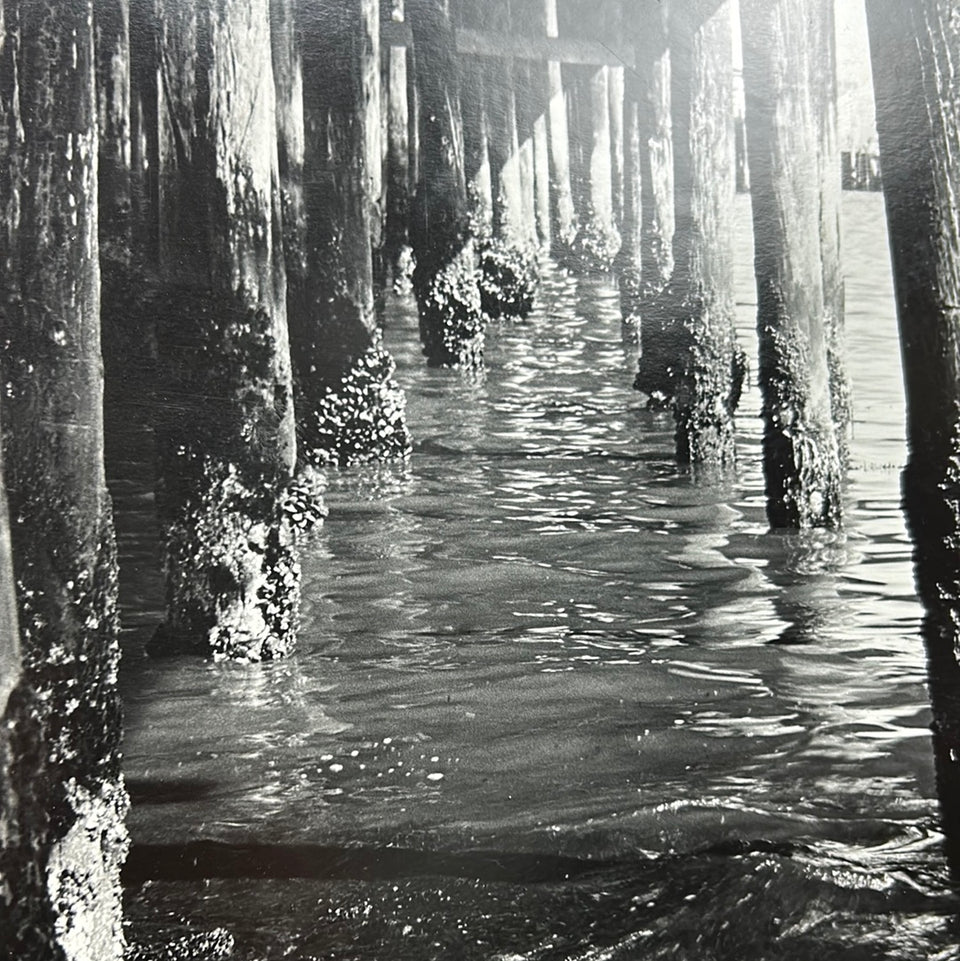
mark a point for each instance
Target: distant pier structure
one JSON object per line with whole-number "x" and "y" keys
{"x": 205, "y": 200}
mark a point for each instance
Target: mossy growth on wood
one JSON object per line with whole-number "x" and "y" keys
{"x": 508, "y": 277}
{"x": 361, "y": 419}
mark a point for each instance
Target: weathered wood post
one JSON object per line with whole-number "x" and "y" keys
{"x": 62, "y": 803}
{"x": 445, "y": 278}
{"x": 704, "y": 366}
{"x": 399, "y": 185}
{"x": 225, "y": 438}
{"x": 144, "y": 131}
{"x": 476, "y": 132}
{"x": 801, "y": 456}
{"x": 597, "y": 240}
{"x": 533, "y": 107}
{"x": 645, "y": 261}
{"x": 617, "y": 82}
{"x": 508, "y": 265}
{"x": 914, "y": 45}
{"x": 564, "y": 223}
{"x": 112, "y": 22}
{"x": 825, "y": 87}
{"x": 349, "y": 408}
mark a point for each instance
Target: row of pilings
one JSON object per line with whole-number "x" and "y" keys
{"x": 210, "y": 197}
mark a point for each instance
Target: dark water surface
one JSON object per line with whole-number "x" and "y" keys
{"x": 618, "y": 716}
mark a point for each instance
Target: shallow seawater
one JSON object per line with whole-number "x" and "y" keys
{"x": 555, "y": 698}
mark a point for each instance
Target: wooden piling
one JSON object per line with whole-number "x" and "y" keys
{"x": 225, "y": 435}
{"x": 825, "y": 87}
{"x": 645, "y": 261}
{"x": 564, "y": 222}
{"x": 399, "y": 185}
{"x": 801, "y": 457}
{"x": 62, "y": 802}
{"x": 112, "y": 23}
{"x": 708, "y": 366}
{"x": 914, "y": 46}
{"x": 349, "y": 407}
{"x": 444, "y": 280}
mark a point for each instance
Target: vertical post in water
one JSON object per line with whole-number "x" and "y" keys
{"x": 476, "y": 133}
{"x": 444, "y": 280}
{"x": 144, "y": 131}
{"x": 914, "y": 47}
{"x": 564, "y": 223}
{"x": 349, "y": 408}
{"x": 287, "y": 60}
{"x": 508, "y": 265}
{"x": 616, "y": 91}
{"x": 801, "y": 456}
{"x": 597, "y": 240}
{"x": 226, "y": 447}
{"x": 112, "y": 21}
{"x": 62, "y": 802}
{"x": 397, "y": 174}
{"x": 370, "y": 97}
{"x": 707, "y": 366}
{"x": 533, "y": 118}
{"x": 646, "y": 254}
{"x": 825, "y": 87}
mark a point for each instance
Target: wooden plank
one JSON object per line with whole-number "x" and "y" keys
{"x": 560, "y": 49}
{"x": 543, "y": 49}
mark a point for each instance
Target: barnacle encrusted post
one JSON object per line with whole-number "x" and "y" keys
{"x": 349, "y": 407}
{"x": 62, "y": 801}
{"x": 225, "y": 434}
{"x": 698, "y": 312}
{"x": 801, "y": 456}
{"x": 445, "y": 278}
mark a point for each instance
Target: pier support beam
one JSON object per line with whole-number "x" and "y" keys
{"x": 564, "y": 222}
{"x": 645, "y": 261}
{"x": 399, "y": 186}
{"x": 825, "y": 87}
{"x": 914, "y": 45}
{"x": 801, "y": 455}
{"x": 225, "y": 437}
{"x": 349, "y": 407}
{"x": 708, "y": 367}
{"x": 62, "y": 802}
{"x": 444, "y": 280}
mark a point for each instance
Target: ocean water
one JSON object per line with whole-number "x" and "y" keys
{"x": 555, "y": 698}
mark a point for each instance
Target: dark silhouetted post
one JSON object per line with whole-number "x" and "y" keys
{"x": 112, "y": 22}
{"x": 708, "y": 367}
{"x": 801, "y": 456}
{"x": 226, "y": 448}
{"x": 444, "y": 280}
{"x": 397, "y": 173}
{"x": 62, "y": 803}
{"x": 915, "y": 45}
{"x": 349, "y": 407}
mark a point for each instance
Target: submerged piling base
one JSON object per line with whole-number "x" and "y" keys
{"x": 509, "y": 277}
